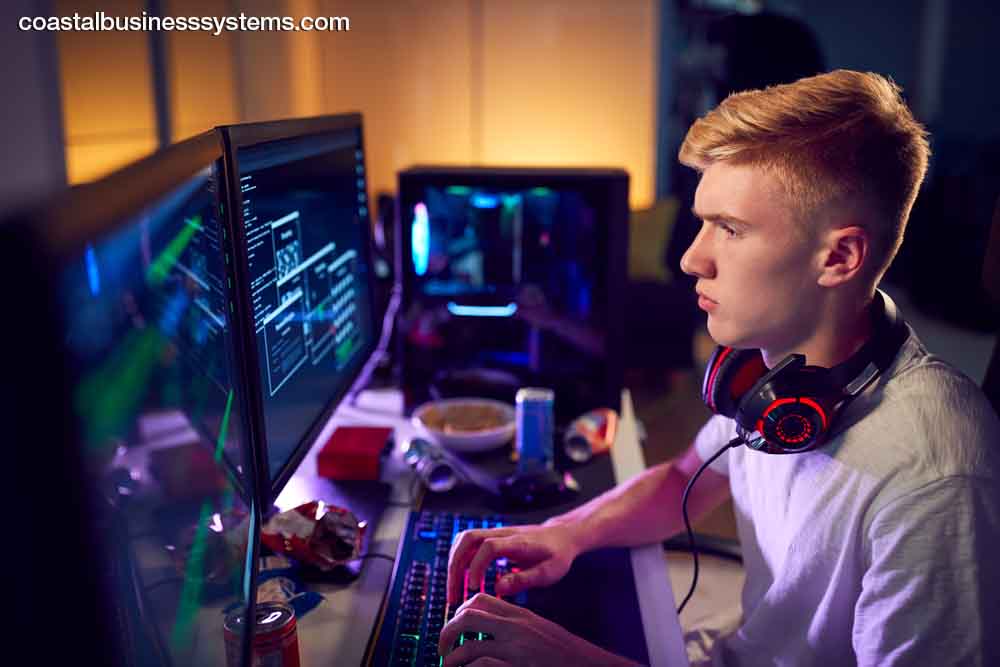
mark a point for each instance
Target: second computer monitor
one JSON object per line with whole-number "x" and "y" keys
{"x": 305, "y": 293}
{"x": 136, "y": 472}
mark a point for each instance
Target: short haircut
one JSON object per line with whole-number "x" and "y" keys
{"x": 840, "y": 139}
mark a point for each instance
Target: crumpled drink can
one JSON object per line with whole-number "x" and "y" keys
{"x": 430, "y": 465}
{"x": 589, "y": 434}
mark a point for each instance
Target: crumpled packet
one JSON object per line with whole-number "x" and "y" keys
{"x": 323, "y": 536}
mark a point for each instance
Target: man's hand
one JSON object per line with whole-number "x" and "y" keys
{"x": 543, "y": 554}
{"x": 520, "y": 638}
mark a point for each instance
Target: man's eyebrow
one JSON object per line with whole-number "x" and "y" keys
{"x": 712, "y": 217}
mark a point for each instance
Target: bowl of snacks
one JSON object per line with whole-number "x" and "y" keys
{"x": 466, "y": 424}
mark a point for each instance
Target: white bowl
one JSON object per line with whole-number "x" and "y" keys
{"x": 467, "y": 441}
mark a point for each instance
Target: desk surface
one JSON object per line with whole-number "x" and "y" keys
{"x": 336, "y": 632}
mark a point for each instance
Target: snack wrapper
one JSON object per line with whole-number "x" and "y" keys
{"x": 323, "y": 536}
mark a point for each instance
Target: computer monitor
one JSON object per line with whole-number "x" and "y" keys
{"x": 132, "y": 338}
{"x": 513, "y": 277}
{"x": 302, "y": 233}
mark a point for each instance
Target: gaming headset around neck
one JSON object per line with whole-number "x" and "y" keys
{"x": 792, "y": 407}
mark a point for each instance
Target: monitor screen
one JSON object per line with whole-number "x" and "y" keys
{"x": 143, "y": 302}
{"x": 146, "y": 319}
{"x": 512, "y": 278}
{"x": 308, "y": 287}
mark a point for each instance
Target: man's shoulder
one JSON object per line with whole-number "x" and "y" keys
{"x": 928, "y": 416}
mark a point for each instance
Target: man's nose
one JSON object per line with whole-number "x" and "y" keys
{"x": 697, "y": 259}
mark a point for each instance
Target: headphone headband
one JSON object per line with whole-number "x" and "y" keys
{"x": 878, "y": 352}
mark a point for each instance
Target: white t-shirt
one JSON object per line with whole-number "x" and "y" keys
{"x": 883, "y": 546}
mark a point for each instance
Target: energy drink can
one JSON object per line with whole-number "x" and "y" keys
{"x": 535, "y": 428}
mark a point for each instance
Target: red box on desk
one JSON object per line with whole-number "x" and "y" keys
{"x": 354, "y": 453}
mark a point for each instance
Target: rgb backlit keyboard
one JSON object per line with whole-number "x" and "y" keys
{"x": 417, "y": 608}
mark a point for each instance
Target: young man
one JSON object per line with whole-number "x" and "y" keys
{"x": 876, "y": 548}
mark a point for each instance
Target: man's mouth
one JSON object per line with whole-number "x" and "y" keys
{"x": 705, "y": 303}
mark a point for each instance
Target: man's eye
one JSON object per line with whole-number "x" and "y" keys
{"x": 730, "y": 232}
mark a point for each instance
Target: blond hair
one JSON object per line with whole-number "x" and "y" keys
{"x": 841, "y": 139}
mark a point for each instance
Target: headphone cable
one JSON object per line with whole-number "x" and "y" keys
{"x": 735, "y": 442}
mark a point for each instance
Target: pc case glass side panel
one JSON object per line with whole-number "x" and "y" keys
{"x": 146, "y": 327}
{"x": 507, "y": 286}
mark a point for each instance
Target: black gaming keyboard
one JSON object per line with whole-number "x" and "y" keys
{"x": 595, "y": 600}
{"x": 417, "y": 606}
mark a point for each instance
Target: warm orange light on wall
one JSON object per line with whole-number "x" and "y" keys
{"x": 547, "y": 83}
{"x": 106, "y": 93}
{"x": 573, "y": 83}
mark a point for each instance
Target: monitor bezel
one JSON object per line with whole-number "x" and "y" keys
{"x": 611, "y": 182}
{"x": 245, "y": 135}
{"x": 91, "y": 211}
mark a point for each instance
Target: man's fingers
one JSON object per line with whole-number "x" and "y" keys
{"x": 465, "y": 539}
{"x": 479, "y": 653}
{"x": 490, "y": 603}
{"x": 515, "y": 582}
{"x": 518, "y": 548}
{"x": 469, "y": 619}
{"x": 490, "y": 549}
{"x": 462, "y": 551}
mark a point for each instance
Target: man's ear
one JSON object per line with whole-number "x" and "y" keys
{"x": 845, "y": 251}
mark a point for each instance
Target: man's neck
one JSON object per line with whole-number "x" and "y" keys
{"x": 839, "y": 335}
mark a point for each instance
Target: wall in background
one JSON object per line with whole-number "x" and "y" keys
{"x": 107, "y": 98}
{"x": 201, "y": 70}
{"x": 545, "y": 82}
{"x": 572, "y": 82}
{"x": 32, "y": 161}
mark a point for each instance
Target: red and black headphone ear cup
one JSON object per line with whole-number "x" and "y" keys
{"x": 794, "y": 424}
{"x": 730, "y": 373}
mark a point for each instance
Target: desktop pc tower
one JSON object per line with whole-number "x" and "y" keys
{"x": 512, "y": 277}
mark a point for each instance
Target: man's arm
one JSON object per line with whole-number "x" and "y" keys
{"x": 647, "y": 508}
{"x": 644, "y": 510}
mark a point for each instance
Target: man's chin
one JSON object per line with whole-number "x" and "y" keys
{"x": 718, "y": 333}
{"x": 727, "y": 338}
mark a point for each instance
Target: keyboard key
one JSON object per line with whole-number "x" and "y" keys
{"x": 465, "y": 637}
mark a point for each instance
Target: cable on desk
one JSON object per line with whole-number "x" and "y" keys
{"x": 738, "y": 440}
{"x": 387, "y": 557}
{"x": 381, "y": 348}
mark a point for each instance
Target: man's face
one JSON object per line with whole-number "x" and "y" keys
{"x": 754, "y": 263}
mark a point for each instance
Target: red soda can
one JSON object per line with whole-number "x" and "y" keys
{"x": 275, "y": 639}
